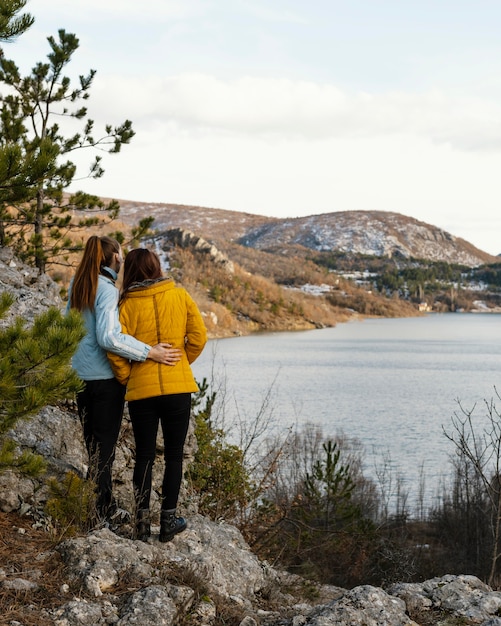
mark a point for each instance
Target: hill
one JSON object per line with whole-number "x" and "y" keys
{"x": 304, "y": 273}
{"x": 377, "y": 233}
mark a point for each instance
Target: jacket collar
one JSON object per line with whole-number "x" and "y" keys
{"x": 109, "y": 273}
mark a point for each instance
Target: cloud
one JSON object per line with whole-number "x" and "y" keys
{"x": 118, "y": 9}
{"x": 288, "y": 109}
{"x": 268, "y": 14}
{"x": 170, "y": 162}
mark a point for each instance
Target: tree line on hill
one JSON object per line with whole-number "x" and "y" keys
{"x": 444, "y": 286}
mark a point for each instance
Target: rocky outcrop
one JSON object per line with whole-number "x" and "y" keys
{"x": 55, "y": 433}
{"x": 209, "y": 570}
{"x": 464, "y": 597}
{"x": 33, "y": 293}
{"x": 214, "y": 554}
{"x": 187, "y": 239}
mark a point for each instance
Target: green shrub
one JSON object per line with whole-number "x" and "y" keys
{"x": 71, "y": 504}
{"x": 27, "y": 462}
{"x": 34, "y": 371}
{"x": 218, "y": 474}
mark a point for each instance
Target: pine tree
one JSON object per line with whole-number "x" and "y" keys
{"x": 36, "y": 216}
{"x": 35, "y": 371}
{"x": 14, "y": 173}
{"x": 11, "y": 24}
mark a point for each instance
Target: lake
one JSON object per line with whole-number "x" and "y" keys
{"x": 392, "y": 384}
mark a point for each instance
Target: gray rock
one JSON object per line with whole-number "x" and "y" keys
{"x": 214, "y": 553}
{"x": 218, "y": 553}
{"x": 461, "y": 596}
{"x": 14, "y": 490}
{"x": 79, "y": 613}
{"x": 56, "y": 434}
{"x": 362, "y": 605}
{"x": 33, "y": 293}
{"x": 19, "y": 584}
{"x": 101, "y": 558}
{"x": 204, "y": 613}
{"x": 149, "y": 607}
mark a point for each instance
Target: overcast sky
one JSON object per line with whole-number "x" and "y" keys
{"x": 290, "y": 108}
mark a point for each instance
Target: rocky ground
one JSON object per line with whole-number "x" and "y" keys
{"x": 206, "y": 576}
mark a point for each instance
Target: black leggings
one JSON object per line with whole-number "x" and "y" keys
{"x": 173, "y": 412}
{"x": 100, "y": 407}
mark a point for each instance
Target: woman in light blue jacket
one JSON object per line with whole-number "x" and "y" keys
{"x": 101, "y": 401}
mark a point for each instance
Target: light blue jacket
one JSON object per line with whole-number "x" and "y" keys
{"x": 104, "y": 333}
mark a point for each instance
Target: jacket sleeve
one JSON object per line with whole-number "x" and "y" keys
{"x": 109, "y": 332}
{"x": 196, "y": 333}
{"x": 120, "y": 365}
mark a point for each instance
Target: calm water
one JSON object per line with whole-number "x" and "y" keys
{"x": 392, "y": 384}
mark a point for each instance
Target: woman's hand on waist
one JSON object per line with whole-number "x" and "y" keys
{"x": 164, "y": 353}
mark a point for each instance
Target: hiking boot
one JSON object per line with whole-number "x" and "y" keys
{"x": 170, "y": 525}
{"x": 143, "y": 525}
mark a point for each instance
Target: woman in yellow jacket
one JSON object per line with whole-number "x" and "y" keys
{"x": 153, "y": 307}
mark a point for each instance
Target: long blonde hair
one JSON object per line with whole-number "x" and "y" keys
{"x": 98, "y": 253}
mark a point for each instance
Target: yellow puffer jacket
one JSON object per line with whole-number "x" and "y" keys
{"x": 153, "y": 313}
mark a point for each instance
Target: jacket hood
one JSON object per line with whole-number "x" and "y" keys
{"x": 147, "y": 287}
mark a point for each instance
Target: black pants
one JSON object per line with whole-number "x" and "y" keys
{"x": 173, "y": 412}
{"x": 100, "y": 407}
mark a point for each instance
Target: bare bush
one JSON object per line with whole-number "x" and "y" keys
{"x": 476, "y": 497}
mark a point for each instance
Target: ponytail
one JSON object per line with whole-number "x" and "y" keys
{"x": 98, "y": 252}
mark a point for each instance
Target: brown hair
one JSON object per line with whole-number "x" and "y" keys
{"x": 140, "y": 264}
{"x": 98, "y": 253}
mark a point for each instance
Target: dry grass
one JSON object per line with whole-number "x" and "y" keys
{"x": 28, "y": 553}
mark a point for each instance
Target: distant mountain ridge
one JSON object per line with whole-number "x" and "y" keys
{"x": 377, "y": 233}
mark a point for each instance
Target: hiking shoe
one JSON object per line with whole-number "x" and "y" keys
{"x": 170, "y": 526}
{"x": 143, "y": 525}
